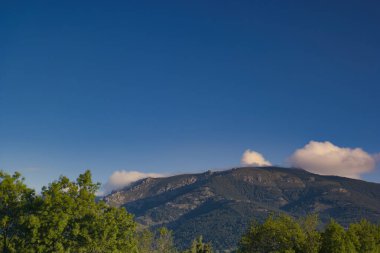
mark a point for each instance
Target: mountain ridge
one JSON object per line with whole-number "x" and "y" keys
{"x": 220, "y": 204}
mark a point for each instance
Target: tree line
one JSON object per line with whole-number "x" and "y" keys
{"x": 66, "y": 218}
{"x": 282, "y": 233}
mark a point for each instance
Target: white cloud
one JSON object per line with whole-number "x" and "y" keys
{"x": 326, "y": 158}
{"x": 122, "y": 178}
{"x": 376, "y": 157}
{"x": 254, "y": 158}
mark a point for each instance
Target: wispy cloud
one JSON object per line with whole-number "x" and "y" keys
{"x": 122, "y": 178}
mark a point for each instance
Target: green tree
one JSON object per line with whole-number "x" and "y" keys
{"x": 277, "y": 234}
{"x": 159, "y": 241}
{"x": 198, "y": 246}
{"x": 335, "y": 239}
{"x": 16, "y": 207}
{"x": 365, "y": 237}
{"x": 309, "y": 226}
{"x": 164, "y": 241}
{"x": 70, "y": 220}
{"x": 145, "y": 241}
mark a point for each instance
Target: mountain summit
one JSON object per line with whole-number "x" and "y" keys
{"x": 220, "y": 205}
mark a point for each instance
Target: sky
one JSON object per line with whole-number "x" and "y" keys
{"x": 168, "y": 87}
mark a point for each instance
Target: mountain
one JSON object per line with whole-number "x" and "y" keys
{"x": 220, "y": 205}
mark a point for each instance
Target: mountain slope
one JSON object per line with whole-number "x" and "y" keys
{"x": 220, "y": 205}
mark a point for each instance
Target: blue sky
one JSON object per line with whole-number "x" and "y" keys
{"x": 183, "y": 86}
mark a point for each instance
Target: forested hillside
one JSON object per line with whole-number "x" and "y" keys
{"x": 67, "y": 218}
{"x": 226, "y": 201}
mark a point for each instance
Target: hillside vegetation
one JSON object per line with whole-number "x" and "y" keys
{"x": 227, "y": 201}
{"x": 66, "y": 217}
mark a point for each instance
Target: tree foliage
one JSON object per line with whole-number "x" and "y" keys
{"x": 309, "y": 225}
{"x": 284, "y": 234}
{"x": 64, "y": 218}
{"x": 277, "y": 234}
{"x": 335, "y": 239}
{"x": 198, "y": 246}
{"x": 161, "y": 240}
{"x": 365, "y": 237}
{"x": 16, "y": 205}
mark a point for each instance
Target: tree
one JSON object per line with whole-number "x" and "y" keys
{"x": 145, "y": 242}
{"x": 277, "y": 234}
{"x": 335, "y": 240}
{"x": 70, "y": 220}
{"x": 164, "y": 241}
{"x": 159, "y": 241}
{"x": 365, "y": 237}
{"x": 309, "y": 226}
{"x": 16, "y": 207}
{"x": 198, "y": 246}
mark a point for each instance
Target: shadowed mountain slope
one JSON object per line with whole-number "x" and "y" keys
{"x": 220, "y": 205}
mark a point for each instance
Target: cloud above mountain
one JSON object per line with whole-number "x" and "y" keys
{"x": 122, "y": 178}
{"x": 254, "y": 158}
{"x": 325, "y": 158}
